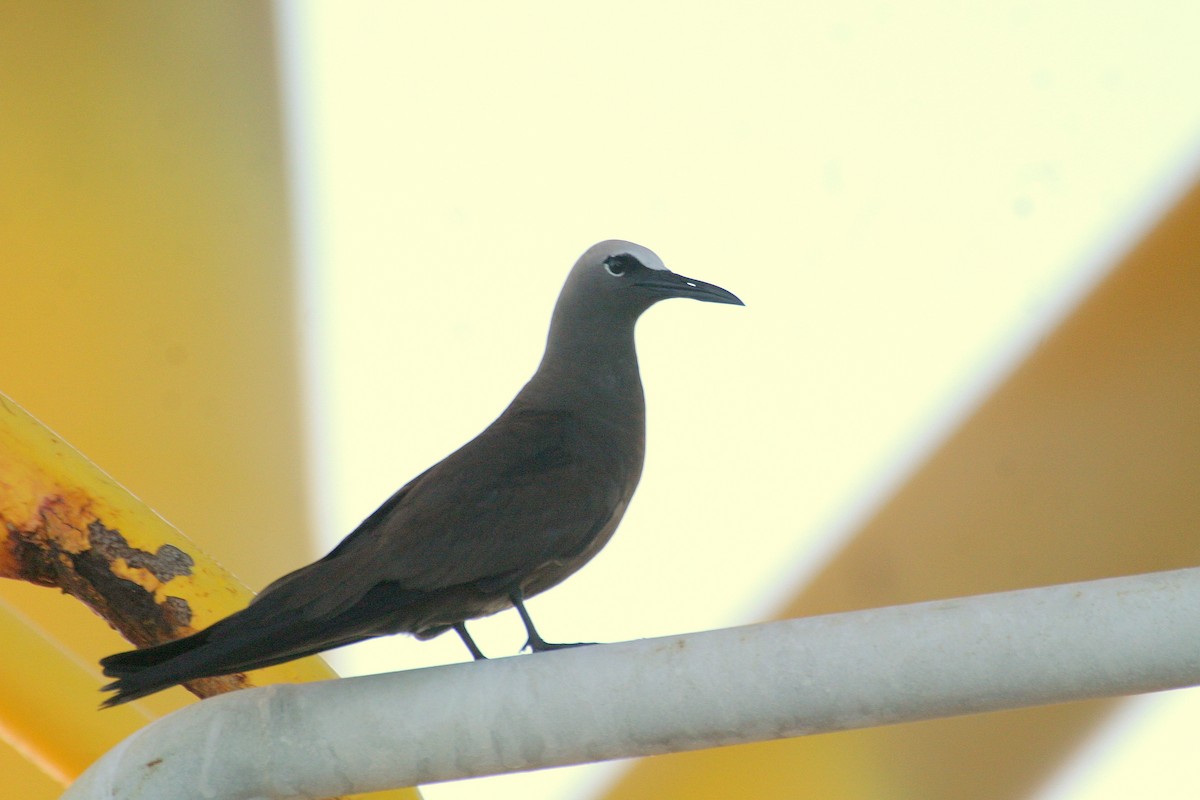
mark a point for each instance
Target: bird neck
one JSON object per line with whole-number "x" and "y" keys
{"x": 591, "y": 367}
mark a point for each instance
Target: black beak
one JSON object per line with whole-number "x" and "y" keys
{"x": 667, "y": 284}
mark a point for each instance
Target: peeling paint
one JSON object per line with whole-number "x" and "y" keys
{"x": 95, "y": 564}
{"x": 64, "y": 524}
{"x": 166, "y": 563}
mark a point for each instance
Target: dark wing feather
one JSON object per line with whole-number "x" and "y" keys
{"x": 534, "y": 487}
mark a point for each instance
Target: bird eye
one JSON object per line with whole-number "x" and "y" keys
{"x": 619, "y": 264}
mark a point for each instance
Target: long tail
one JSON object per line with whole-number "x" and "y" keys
{"x": 222, "y": 649}
{"x": 146, "y": 671}
{"x": 272, "y": 630}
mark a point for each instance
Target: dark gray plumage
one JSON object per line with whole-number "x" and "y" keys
{"x": 510, "y": 514}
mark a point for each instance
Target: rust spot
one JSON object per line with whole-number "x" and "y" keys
{"x": 64, "y": 545}
{"x": 92, "y": 562}
{"x": 154, "y": 763}
{"x": 166, "y": 563}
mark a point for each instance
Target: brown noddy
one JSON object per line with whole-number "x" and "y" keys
{"x": 508, "y": 515}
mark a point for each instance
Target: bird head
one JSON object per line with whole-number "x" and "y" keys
{"x": 625, "y": 275}
{"x": 590, "y": 349}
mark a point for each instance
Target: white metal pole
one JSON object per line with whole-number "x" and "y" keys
{"x": 796, "y": 677}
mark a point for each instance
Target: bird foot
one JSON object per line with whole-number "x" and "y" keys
{"x": 540, "y": 646}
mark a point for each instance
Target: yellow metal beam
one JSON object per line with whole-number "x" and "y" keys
{"x": 149, "y": 316}
{"x": 70, "y": 526}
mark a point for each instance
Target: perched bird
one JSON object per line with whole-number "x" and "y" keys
{"x": 508, "y": 515}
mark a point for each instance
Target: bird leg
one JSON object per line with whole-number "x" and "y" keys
{"x": 461, "y": 629}
{"x": 535, "y": 642}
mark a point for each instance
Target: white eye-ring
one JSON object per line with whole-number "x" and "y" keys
{"x": 608, "y": 268}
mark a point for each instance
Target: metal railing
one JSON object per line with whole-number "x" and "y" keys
{"x": 803, "y": 676}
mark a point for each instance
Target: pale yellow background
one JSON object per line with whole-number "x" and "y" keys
{"x": 906, "y": 196}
